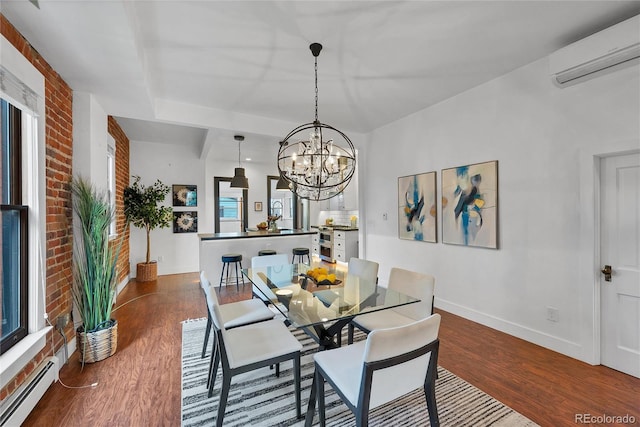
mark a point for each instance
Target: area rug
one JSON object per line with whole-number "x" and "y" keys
{"x": 259, "y": 398}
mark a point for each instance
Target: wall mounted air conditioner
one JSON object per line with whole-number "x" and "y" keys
{"x": 601, "y": 51}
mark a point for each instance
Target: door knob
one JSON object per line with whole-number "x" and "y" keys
{"x": 607, "y": 273}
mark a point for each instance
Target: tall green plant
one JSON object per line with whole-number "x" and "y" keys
{"x": 141, "y": 208}
{"x": 94, "y": 268}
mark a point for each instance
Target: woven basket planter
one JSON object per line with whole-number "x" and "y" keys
{"x": 147, "y": 272}
{"x": 96, "y": 346}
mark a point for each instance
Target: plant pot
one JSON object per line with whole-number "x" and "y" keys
{"x": 98, "y": 345}
{"x": 147, "y": 272}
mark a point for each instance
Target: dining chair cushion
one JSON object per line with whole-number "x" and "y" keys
{"x": 238, "y": 313}
{"x": 344, "y": 365}
{"x": 256, "y": 342}
{"x": 381, "y": 320}
{"x": 244, "y": 312}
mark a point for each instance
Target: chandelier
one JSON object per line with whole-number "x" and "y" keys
{"x": 317, "y": 160}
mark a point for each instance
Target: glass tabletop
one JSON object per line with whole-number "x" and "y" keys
{"x": 305, "y": 303}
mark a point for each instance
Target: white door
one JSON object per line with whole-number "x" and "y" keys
{"x": 620, "y": 249}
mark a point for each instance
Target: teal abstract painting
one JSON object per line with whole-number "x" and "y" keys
{"x": 417, "y": 213}
{"x": 470, "y": 205}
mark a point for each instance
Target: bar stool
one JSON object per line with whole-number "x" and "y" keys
{"x": 227, "y": 259}
{"x": 266, "y": 252}
{"x": 300, "y": 253}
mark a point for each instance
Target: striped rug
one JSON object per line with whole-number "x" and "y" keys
{"x": 258, "y": 398}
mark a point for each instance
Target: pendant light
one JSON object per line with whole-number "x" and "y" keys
{"x": 283, "y": 184}
{"x": 316, "y": 159}
{"x": 239, "y": 179}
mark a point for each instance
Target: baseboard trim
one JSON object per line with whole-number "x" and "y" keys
{"x": 557, "y": 344}
{"x": 122, "y": 285}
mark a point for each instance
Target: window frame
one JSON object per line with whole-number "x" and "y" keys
{"x": 236, "y": 201}
{"x": 12, "y": 201}
{"x": 24, "y": 86}
{"x": 111, "y": 184}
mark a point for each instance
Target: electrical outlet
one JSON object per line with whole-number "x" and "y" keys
{"x": 553, "y": 314}
{"x": 384, "y": 216}
{"x": 160, "y": 258}
{"x": 62, "y": 321}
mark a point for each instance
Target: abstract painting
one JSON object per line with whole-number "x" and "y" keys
{"x": 417, "y": 213}
{"x": 470, "y": 205}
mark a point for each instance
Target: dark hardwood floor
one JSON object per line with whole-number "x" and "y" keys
{"x": 140, "y": 384}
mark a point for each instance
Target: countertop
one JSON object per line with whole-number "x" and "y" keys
{"x": 253, "y": 234}
{"x": 335, "y": 227}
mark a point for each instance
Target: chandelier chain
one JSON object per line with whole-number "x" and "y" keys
{"x": 316, "y": 71}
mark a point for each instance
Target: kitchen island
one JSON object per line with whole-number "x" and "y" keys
{"x": 248, "y": 244}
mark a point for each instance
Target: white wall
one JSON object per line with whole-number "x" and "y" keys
{"x": 174, "y": 164}
{"x": 90, "y": 130}
{"x": 545, "y": 139}
{"x": 256, "y": 173}
{"x": 171, "y": 164}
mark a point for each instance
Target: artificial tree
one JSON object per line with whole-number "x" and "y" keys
{"x": 142, "y": 210}
{"x": 94, "y": 272}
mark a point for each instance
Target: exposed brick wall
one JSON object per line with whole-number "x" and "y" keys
{"x": 58, "y": 155}
{"x": 122, "y": 181}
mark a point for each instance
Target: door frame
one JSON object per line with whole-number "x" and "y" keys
{"x": 216, "y": 202}
{"x": 294, "y": 200}
{"x": 590, "y": 256}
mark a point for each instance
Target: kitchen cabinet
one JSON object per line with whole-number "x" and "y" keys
{"x": 345, "y": 201}
{"x": 315, "y": 245}
{"x": 345, "y": 245}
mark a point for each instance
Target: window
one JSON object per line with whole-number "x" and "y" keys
{"x": 15, "y": 296}
{"x": 22, "y": 165}
{"x": 111, "y": 181}
{"x": 229, "y": 208}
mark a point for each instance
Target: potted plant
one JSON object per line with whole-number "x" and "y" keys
{"x": 94, "y": 272}
{"x": 141, "y": 209}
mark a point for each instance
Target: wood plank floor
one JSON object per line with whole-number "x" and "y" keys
{"x": 140, "y": 384}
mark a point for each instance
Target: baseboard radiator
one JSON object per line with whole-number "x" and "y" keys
{"x": 17, "y": 407}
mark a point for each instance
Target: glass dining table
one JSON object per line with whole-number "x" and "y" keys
{"x": 321, "y": 310}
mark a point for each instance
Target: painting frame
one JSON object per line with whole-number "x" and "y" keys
{"x": 257, "y": 206}
{"x": 417, "y": 207}
{"x": 185, "y": 195}
{"x": 469, "y": 211}
{"x": 185, "y": 222}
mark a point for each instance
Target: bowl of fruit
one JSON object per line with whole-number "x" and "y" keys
{"x": 321, "y": 276}
{"x": 262, "y": 226}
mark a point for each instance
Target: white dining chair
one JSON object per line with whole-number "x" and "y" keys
{"x": 250, "y": 347}
{"x": 387, "y": 365}
{"x": 359, "y": 271}
{"x": 234, "y": 314}
{"x": 267, "y": 261}
{"x": 417, "y": 285}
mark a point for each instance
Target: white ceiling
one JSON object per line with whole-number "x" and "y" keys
{"x": 198, "y": 72}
